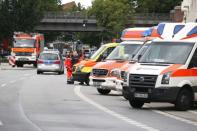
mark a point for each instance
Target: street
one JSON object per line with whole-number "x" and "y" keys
{"x": 31, "y": 102}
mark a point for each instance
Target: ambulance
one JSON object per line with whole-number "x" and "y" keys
{"x": 104, "y": 73}
{"x": 151, "y": 34}
{"x": 81, "y": 70}
{"x": 26, "y": 48}
{"x": 167, "y": 72}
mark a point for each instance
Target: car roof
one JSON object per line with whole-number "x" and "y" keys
{"x": 51, "y": 51}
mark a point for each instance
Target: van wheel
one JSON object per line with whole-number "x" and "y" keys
{"x": 35, "y": 65}
{"x": 125, "y": 94}
{"x": 103, "y": 91}
{"x": 19, "y": 65}
{"x": 87, "y": 82}
{"x": 136, "y": 103}
{"x": 39, "y": 72}
{"x": 184, "y": 100}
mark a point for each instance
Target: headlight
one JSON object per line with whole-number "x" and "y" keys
{"x": 116, "y": 73}
{"x": 166, "y": 78}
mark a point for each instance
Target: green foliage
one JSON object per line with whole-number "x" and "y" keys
{"x": 112, "y": 14}
{"x": 156, "y": 6}
{"x": 23, "y": 15}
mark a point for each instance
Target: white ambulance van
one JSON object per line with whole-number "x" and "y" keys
{"x": 167, "y": 72}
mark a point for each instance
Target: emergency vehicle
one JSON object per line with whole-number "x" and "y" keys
{"x": 82, "y": 70}
{"x": 167, "y": 72}
{"x": 26, "y": 48}
{"x": 150, "y": 34}
{"x": 105, "y": 73}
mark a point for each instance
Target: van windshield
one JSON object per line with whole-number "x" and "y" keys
{"x": 167, "y": 53}
{"x": 24, "y": 43}
{"x": 95, "y": 55}
{"x": 124, "y": 51}
{"x": 140, "y": 52}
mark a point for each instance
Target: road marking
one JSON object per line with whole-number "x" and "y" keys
{"x": 194, "y": 112}
{"x": 1, "y": 123}
{"x": 3, "y": 85}
{"x": 176, "y": 117}
{"x": 119, "y": 116}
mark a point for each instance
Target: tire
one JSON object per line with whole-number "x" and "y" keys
{"x": 35, "y": 65}
{"x": 38, "y": 72}
{"x": 184, "y": 100}
{"x": 87, "y": 82}
{"x": 103, "y": 91}
{"x": 136, "y": 103}
{"x": 19, "y": 65}
{"x": 125, "y": 95}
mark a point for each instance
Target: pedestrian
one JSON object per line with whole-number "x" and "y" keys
{"x": 68, "y": 65}
{"x": 75, "y": 58}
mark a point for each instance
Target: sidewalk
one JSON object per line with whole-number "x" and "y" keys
{"x": 5, "y": 66}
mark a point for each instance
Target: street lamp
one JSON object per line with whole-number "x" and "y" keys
{"x": 85, "y": 22}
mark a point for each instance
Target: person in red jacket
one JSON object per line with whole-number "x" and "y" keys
{"x": 68, "y": 65}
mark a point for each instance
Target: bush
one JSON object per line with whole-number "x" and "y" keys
{"x": 3, "y": 60}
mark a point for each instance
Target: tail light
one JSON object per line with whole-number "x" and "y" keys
{"x": 57, "y": 62}
{"x": 40, "y": 62}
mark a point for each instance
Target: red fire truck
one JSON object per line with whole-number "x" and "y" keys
{"x": 26, "y": 48}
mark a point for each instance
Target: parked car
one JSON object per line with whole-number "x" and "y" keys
{"x": 50, "y": 61}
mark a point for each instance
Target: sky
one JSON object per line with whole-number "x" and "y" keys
{"x": 85, "y": 3}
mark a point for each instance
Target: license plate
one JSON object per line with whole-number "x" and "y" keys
{"x": 141, "y": 95}
{"x": 48, "y": 62}
{"x": 22, "y": 59}
{"x": 97, "y": 83}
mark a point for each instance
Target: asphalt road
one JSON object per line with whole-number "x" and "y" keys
{"x": 31, "y": 102}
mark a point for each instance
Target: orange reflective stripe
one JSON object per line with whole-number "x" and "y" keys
{"x": 185, "y": 72}
{"x": 133, "y": 34}
{"x": 171, "y": 68}
{"x": 23, "y": 49}
{"x": 191, "y": 36}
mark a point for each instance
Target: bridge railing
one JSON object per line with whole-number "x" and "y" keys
{"x": 152, "y": 16}
{"x": 66, "y": 15}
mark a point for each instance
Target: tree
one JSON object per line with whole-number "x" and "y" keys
{"x": 23, "y": 15}
{"x": 114, "y": 15}
{"x": 155, "y": 6}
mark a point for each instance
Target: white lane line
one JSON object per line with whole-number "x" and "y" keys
{"x": 176, "y": 117}
{"x": 3, "y": 85}
{"x": 1, "y": 123}
{"x": 194, "y": 112}
{"x": 26, "y": 117}
{"x": 119, "y": 116}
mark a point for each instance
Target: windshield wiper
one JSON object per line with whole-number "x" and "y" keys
{"x": 155, "y": 63}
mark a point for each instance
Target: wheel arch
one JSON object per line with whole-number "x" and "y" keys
{"x": 187, "y": 87}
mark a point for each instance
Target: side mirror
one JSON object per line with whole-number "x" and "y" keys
{"x": 101, "y": 58}
{"x": 104, "y": 56}
{"x": 133, "y": 55}
{"x": 139, "y": 56}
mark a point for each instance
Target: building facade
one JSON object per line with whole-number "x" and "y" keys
{"x": 189, "y": 7}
